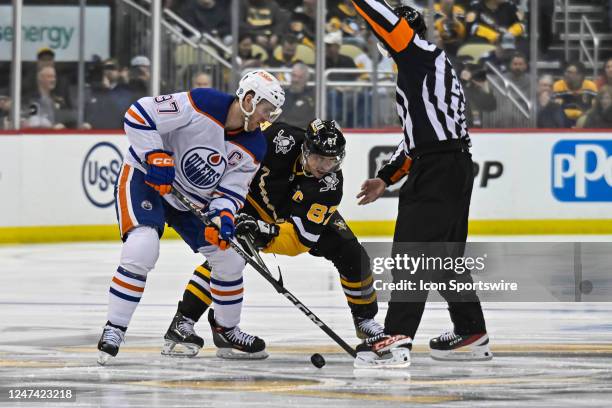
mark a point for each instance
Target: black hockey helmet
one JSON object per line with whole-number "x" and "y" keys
{"x": 413, "y": 17}
{"x": 324, "y": 138}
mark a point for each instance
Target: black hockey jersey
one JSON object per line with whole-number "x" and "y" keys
{"x": 485, "y": 23}
{"x": 283, "y": 194}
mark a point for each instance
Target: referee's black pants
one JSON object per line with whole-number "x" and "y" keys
{"x": 434, "y": 206}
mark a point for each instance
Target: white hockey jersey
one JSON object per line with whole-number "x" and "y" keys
{"x": 213, "y": 167}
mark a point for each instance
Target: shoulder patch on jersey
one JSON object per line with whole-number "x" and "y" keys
{"x": 212, "y": 103}
{"x": 283, "y": 142}
{"x": 330, "y": 182}
{"x": 340, "y": 224}
{"x": 253, "y": 143}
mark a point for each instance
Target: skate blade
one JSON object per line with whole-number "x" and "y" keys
{"x": 103, "y": 358}
{"x": 179, "y": 350}
{"x": 396, "y": 358}
{"x": 231, "y": 354}
{"x": 476, "y": 353}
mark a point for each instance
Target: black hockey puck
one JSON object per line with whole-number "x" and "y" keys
{"x": 317, "y": 360}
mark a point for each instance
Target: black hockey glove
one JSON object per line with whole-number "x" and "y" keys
{"x": 260, "y": 231}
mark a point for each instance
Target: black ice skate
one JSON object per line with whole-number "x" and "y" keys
{"x": 234, "y": 344}
{"x": 109, "y": 343}
{"x": 461, "y": 347}
{"x": 181, "y": 334}
{"x": 367, "y": 328}
{"x": 384, "y": 351}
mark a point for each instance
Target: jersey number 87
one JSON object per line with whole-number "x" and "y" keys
{"x": 317, "y": 212}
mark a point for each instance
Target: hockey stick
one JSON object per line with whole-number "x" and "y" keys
{"x": 261, "y": 267}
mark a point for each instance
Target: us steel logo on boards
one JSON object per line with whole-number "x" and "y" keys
{"x": 100, "y": 172}
{"x": 582, "y": 170}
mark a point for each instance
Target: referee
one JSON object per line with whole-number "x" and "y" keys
{"x": 434, "y": 201}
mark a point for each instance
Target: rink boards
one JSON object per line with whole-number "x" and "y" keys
{"x": 60, "y": 186}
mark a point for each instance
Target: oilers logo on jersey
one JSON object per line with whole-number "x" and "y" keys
{"x": 203, "y": 166}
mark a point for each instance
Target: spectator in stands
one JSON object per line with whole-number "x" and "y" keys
{"x": 342, "y": 16}
{"x": 517, "y": 73}
{"x": 550, "y": 113}
{"x": 478, "y": 94}
{"x": 340, "y": 96}
{"x": 111, "y": 74}
{"x": 137, "y": 86}
{"x": 246, "y": 57}
{"x": 102, "y": 109}
{"x": 449, "y": 21}
{"x": 139, "y": 76}
{"x": 264, "y": 20}
{"x": 201, "y": 80}
{"x": 501, "y": 55}
{"x": 287, "y": 55}
{"x": 45, "y": 57}
{"x": 333, "y": 58}
{"x": 606, "y": 76}
{"x": 210, "y": 16}
{"x": 302, "y": 24}
{"x": 491, "y": 20}
{"x": 299, "y": 107}
{"x": 574, "y": 93}
{"x": 600, "y": 115}
{"x": 46, "y": 108}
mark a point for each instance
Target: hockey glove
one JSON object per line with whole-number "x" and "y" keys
{"x": 160, "y": 174}
{"x": 260, "y": 231}
{"x": 221, "y": 233}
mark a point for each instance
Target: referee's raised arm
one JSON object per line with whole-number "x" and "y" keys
{"x": 393, "y": 31}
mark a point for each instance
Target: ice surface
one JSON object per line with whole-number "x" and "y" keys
{"x": 53, "y": 306}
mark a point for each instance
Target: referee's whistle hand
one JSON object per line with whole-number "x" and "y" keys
{"x": 371, "y": 190}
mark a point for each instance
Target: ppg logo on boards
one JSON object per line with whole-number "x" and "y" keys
{"x": 203, "y": 167}
{"x": 100, "y": 172}
{"x": 582, "y": 170}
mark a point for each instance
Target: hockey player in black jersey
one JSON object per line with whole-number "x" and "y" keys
{"x": 290, "y": 209}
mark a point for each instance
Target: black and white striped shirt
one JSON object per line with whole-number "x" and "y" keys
{"x": 429, "y": 97}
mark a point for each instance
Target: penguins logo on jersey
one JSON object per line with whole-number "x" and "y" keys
{"x": 330, "y": 181}
{"x": 283, "y": 143}
{"x": 203, "y": 166}
{"x": 341, "y": 225}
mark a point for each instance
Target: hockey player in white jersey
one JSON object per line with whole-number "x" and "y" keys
{"x": 208, "y": 145}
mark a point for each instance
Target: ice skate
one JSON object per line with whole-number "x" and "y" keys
{"x": 109, "y": 343}
{"x": 384, "y": 351}
{"x": 367, "y": 328}
{"x": 181, "y": 339}
{"x": 455, "y": 347}
{"x": 234, "y": 344}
